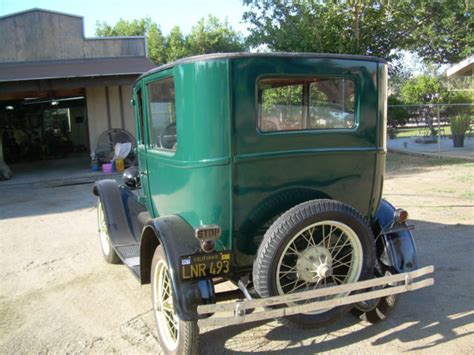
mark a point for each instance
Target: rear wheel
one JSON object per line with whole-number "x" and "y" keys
{"x": 108, "y": 252}
{"x": 317, "y": 244}
{"x": 176, "y": 336}
{"x": 374, "y": 311}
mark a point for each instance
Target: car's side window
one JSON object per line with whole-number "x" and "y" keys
{"x": 289, "y": 104}
{"x": 162, "y": 114}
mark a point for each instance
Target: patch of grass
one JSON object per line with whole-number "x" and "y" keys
{"x": 403, "y": 132}
{"x": 465, "y": 178}
{"x": 444, "y": 191}
{"x": 422, "y": 131}
{"x": 468, "y": 194}
{"x": 409, "y": 132}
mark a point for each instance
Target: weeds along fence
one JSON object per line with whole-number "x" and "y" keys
{"x": 431, "y": 123}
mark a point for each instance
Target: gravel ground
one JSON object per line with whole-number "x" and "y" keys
{"x": 58, "y": 296}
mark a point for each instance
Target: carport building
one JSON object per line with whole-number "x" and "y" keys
{"x": 60, "y": 90}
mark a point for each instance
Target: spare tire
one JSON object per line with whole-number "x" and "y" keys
{"x": 316, "y": 244}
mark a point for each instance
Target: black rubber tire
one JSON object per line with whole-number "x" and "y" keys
{"x": 379, "y": 312}
{"x": 188, "y": 331}
{"x": 111, "y": 257}
{"x": 285, "y": 228}
{"x": 381, "y": 308}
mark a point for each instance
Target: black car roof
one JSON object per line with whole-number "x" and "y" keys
{"x": 214, "y": 56}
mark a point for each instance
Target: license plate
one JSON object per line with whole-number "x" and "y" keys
{"x": 200, "y": 266}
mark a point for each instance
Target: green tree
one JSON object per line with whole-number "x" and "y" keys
{"x": 356, "y": 27}
{"x": 142, "y": 27}
{"x": 176, "y": 46}
{"x": 213, "y": 36}
{"x": 207, "y": 36}
{"x": 123, "y": 28}
{"x": 441, "y": 31}
{"x": 367, "y": 27}
{"x": 423, "y": 89}
{"x": 398, "y": 114}
{"x": 426, "y": 89}
{"x": 156, "y": 45}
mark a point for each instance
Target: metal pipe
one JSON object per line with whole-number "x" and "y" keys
{"x": 439, "y": 136}
{"x": 244, "y": 290}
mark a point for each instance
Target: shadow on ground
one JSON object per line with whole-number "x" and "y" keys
{"x": 48, "y": 198}
{"x": 422, "y": 319}
{"x": 49, "y": 186}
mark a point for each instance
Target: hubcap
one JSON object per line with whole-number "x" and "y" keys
{"x": 314, "y": 264}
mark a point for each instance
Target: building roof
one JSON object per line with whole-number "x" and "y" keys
{"x": 73, "y": 68}
{"x": 463, "y": 68}
{"x": 40, "y": 10}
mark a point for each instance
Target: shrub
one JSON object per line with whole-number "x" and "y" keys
{"x": 392, "y": 132}
{"x": 460, "y": 124}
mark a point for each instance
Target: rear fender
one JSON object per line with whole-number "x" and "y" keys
{"x": 397, "y": 250}
{"x": 177, "y": 238}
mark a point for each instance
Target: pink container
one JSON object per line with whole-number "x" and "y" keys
{"x": 107, "y": 168}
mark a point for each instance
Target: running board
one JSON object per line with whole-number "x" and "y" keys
{"x": 393, "y": 284}
{"x": 130, "y": 256}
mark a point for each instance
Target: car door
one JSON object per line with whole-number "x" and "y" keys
{"x": 141, "y": 133}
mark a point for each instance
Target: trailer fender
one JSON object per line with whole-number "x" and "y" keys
{"x": 398, "y": 249}
{"x": 177, "y": 238}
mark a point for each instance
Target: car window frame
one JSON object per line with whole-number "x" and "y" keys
{"x": 150, "y": 147}
{"x": 306, "y": 100}
{"x": 140, "y": 116}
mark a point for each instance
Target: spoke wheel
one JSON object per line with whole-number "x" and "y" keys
{"x": 176, "y": 336}
{"x": 165, "y": 313}
{"x": 108, "y": 252}
{"x": 324, "y": 254}
{"x": 317, "y": 244}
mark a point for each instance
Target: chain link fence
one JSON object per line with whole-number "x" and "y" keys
{"x": 432, "y": 128}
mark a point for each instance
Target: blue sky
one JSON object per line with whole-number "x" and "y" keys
{"x": 167, "y": 13}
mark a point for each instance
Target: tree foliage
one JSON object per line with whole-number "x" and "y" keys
{"x": 397, "y": 114}
{"x": 356, "y": 27}
{"x": 424, "y": 89}
{"x": 156, "y": 44}
{"x": 123, "y": 28}
{"x": 214, "y": 36}
{"x": 439, "y": 31}
{"x": 175, "y": 45}
{"x": 207, "y": 36}
{"x": 142, "y": 27}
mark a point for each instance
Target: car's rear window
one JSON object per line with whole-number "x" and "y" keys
{"x": 289, "y": 104}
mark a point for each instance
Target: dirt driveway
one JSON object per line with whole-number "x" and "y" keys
{"x": 58, "y": 296}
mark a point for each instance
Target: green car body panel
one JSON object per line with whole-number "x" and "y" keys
{"x": 225, "y": 171}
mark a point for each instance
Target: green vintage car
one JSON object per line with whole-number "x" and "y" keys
{"x": 265, "y": 170}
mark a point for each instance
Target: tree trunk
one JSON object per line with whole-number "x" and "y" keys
{"x": 356, "y": 27}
